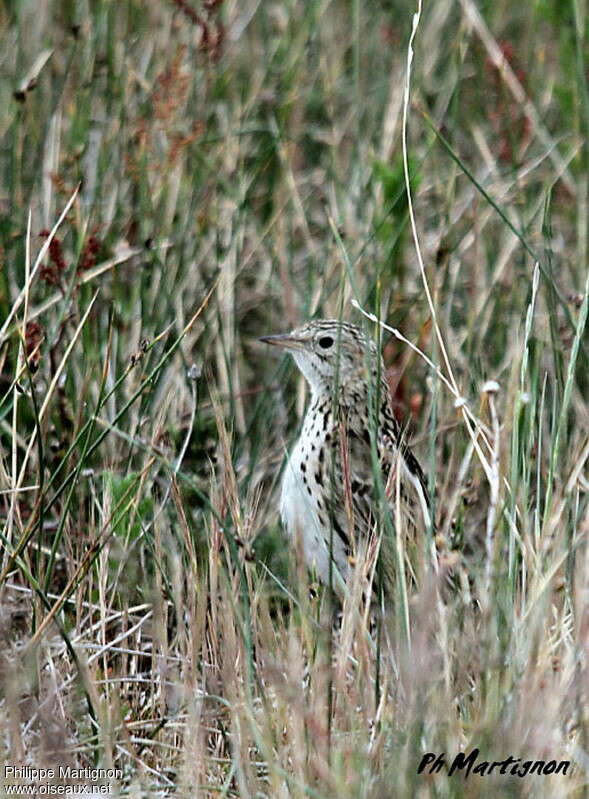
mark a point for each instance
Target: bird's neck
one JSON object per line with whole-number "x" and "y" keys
{"x": 351, "y": 395}
{"x": 348, "y": 395}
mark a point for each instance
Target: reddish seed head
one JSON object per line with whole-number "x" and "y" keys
{"x": 51, "y": 272}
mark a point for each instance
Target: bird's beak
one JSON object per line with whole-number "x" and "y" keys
{"x": 286, "y": 341}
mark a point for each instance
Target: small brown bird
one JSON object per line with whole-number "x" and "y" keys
{"x": 350, "y": 442}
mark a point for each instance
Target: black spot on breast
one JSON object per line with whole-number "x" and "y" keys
{"x": 342, "y": 534}
{"x": 325, "y": 419}
{"x": 359, "y": 488}
{"x": 321, "y": 455}
{"x": 303, "y": 467}
{"x": 319, "y": 478}
{"x": 309, "y": 490}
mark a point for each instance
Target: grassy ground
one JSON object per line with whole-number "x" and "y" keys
{"x": 179, "y": 178}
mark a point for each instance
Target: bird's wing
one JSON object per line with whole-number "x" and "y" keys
{"x": 357, "y": 497}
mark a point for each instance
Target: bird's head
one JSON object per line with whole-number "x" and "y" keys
{"x": 327, "y": 350}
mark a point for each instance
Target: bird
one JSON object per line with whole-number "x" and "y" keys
{"x": 351, "y": 453}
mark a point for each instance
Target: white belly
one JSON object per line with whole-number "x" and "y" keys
{"x": 300, "y": 514}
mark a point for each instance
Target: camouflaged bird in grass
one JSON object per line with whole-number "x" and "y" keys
{"x": 350, "y": 465}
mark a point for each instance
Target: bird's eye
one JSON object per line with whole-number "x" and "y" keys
{"x": 325, "y": 342}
